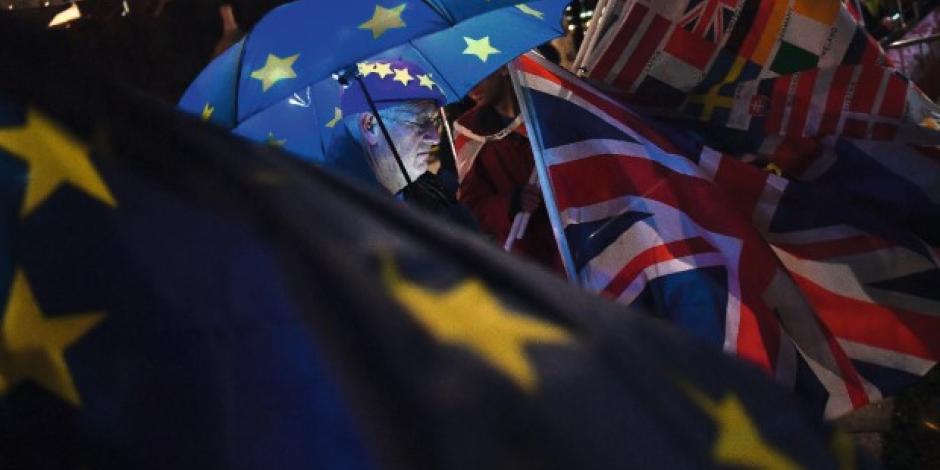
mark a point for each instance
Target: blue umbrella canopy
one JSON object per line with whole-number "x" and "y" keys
{"x": 302, "y": 42}
{"x": 212, "y": 95}
{"x": 462, "y": 55}
{"x": 275, "y": 85}
{"x": 299, "y": 123}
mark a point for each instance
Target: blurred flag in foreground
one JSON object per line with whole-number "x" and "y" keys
{"x": 821, "y": 293}
{"x": 175, "y": 298}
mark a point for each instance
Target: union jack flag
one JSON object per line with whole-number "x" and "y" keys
{"x": 731, "y": 253}
{"x": 709, "y": 19}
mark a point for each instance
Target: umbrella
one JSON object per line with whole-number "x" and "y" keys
{"x": 303, "y": 42}
{"x": 299, "y": 123}
{"x": 256, "y": 86}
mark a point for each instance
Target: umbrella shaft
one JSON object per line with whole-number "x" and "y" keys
{"x": 388, "y": 137}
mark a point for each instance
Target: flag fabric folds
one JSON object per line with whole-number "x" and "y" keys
{"x": 863, "y": 131}
{"x": 664, "y": 50}
{"x": 173, "y": 297}
{"x": 830, "y": 299}
{"x": 798, "y": 86}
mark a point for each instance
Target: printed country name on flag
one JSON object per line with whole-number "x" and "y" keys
{"x": 649, "y": 54}
{"x": 865, "y": 102}
{"x": 787, "y": 37}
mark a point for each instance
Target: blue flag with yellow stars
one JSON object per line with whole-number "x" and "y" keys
{"x": 173, "y": 297}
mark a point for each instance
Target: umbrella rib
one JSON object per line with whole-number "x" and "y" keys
{"x": 440, "y": 11}
{"x": 238, "y": 79}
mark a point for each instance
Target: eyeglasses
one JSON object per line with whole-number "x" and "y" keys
{"x": 425, "y": 122}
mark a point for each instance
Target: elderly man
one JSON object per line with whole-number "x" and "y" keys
{"x": 407, "y": 123}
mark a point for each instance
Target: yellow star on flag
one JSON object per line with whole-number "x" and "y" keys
{"x": 365, "y": 68}
{"x": 337, "y": 117}
{"x": 425, "y": 81}
{"x": 32, "y": 345}
{"x": 384, "y": 19}
{"x": 738, "y": 443}
{"x": 384, "y": 69}
{"x": 468, "y": 315}
{"x": 531, "y": 11}
{"x": 275, "y": 69}
{"x": 403, "y": 76}
{"x": 54, "y": 157}
{"x": 207, "y": 111}
{"x": 274, "y": 142}
{"x": 774, "y": 168}
{"x": 480, "y": 48}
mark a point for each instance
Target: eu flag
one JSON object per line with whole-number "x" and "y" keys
{"x": 173, "y": 297}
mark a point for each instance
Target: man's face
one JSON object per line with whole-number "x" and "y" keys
{"x": 414, "y": 130}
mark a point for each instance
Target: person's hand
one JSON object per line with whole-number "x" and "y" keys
{"x": 530, "y": 198}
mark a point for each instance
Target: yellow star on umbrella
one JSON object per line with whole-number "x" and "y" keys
{"x": 531, "y": 11}
{"x": 32, "y": 345}
{"x": 480, "y": 48}
{"x": 425, "y": 81}
{"x": 337, "y": 117}
{"x": 403, "y": 76}
{"x": 468, "y": 315}
{"x": 275, "y": 69}
{"x": 739, "y": 443}
{"x": 207, "y": 111}
{"x": 384, "y": 19}
{"x": 54, "y": 157}
{"x": 384, "y": 69}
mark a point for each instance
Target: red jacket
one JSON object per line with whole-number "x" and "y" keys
{"x": 490, "y": 188}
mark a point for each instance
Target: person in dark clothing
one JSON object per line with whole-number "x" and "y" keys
{"x": 407, "y": 101}
{"x": 496, "y": 168}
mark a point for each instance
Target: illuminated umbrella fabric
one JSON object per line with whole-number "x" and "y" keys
{"x": 456, "y": 58}
{"x": 459, "y": 57}
{"x": 299, "y": 123}
{"x": 302, "y": 42}
{"x": 212, "y": 94}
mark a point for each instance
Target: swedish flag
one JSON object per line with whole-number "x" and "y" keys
{"x": 175, "y": 298}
